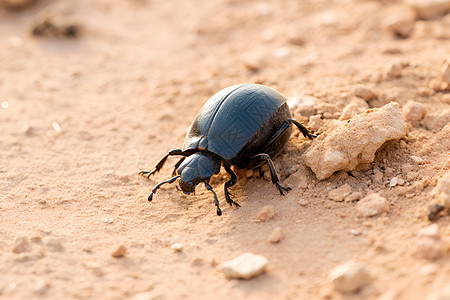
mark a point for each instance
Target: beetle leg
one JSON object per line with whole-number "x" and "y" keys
{"x": 175, "y": 168}
{"x": 216, "y": 201}
{"x": 163, "y": 161}
{"x": 305, "y": 131}
{"x": 171, "y": 180}
{"x": 273, "y": 173}
{"x": 232, "y": 181}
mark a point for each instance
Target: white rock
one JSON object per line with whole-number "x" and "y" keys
{"x": 430, "y": 9}
{"x": 353, "y": 142}
{"x": 177, "y": 247}
{"x": 303, "y": 105}
{"x": 349, "y": 277}
{"x": 416, "y": 159}
{"x": 245, "y": 266}
{"x": 444, "y": 190}
{"x": 372, "y": 205}
{"x": 393, "y": 181}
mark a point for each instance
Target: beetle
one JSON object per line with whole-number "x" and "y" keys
{"x": 243, "y": 125}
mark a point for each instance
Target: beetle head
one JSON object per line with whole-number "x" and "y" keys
{"x": 195, "y": 169}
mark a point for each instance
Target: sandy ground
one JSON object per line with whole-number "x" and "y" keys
{"x": 81, "y": 116}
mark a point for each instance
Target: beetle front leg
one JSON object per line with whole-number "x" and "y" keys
{"x": 273, "y": 173}
{"x": 163, "y": 161}
{"x": 216, "y": 201}
{"x": 229, "y": 184}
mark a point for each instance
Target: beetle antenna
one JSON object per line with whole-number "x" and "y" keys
{"x": 216, "y": 201}
{"x": 171, "y": 180}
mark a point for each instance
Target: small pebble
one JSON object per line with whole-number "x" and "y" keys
{"x": 282, "y": 53}
{"x": 393, "y": 181}
{"x": 177, "y": 247}
{"x": 355, "y": 232}
{"x": 372, "y": 205}
{"x": 414, "y": 112}
{"x": 253, "y": 61}
{"x": 303, "y": 202}
{"x": 428, "y": 248}
{"x": 355, "y": 196}
{"x": 54, "y": 244}
{"x": 16, "y": 4}
{"x": 41, "y": 286}
{"x": 245, "y": 266}
{"x": 340, "y": 193}
{"x": 445, "y": 71}
{"x": 444, "y": 190}
{"x": 350, "y": 277}
{"x": 431, "y": 231}
{"x": 108, "y": 220}
{"x": 402, "y": 27}
{"x": 427, "y": 9}
{"x": 21, "y": 244}
{"x": 266, "y": 213}
{"x": 416, "y": 159}
{"x": 276, "y": 235}
{"x": 119, "y": 252}
{"x": 364, "y": 92}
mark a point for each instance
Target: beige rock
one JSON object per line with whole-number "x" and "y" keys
{"x": 445, "y": 70}
{"x": 354, "y": 108}
{"x": 444, "y": 190}
{"x": 440, "y": 293}
{"x": 435, "y": 122}
{"x": 340, "y": 193}
{"x": 402, "y": 27}
{"x": 372, "y": 205}
{"x": 119, "y": 252}
{"x": 276, "y": 235}
{"x": 303, "y": 105}
{"x": 414, "y": 112}
{"x": 245, "y": 266}
{"x": 364, "y": 92}
{"x": 429, "y": 248}
{"x": 431, "y": 231}
{"x": 349, "y": 277}
{"x": 430, "y": 9}
{"x": 266, "y": 213}
{"x": 21, "y": 244}
{"x": 355, "y": 141}
{"x": 16, "y": 4}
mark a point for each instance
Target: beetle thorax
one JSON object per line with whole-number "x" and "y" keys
{"x": 197, "y": 168}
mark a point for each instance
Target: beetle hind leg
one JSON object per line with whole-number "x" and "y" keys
{"x": 216, "y": 201}
{"x": 232, "y": 181}
{"x": 273, "y": 173}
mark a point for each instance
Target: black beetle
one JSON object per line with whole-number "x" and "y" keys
{"x": 242, "y": 125}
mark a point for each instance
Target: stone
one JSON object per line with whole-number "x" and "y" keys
{"x": 266, "y": 213}
{"x": 355, "y": 196}
{"x": 345, "y": 146}
{"x": 16, "y": 4}
{"x": 402, "y": 27}
{"x": 340, "y": 193}
{"x": 245, "y": 266}
{"x": 21, "y": 244}
{"x": 431, "y": 231}
{"x": 119, "y": 252}
{"x": 372, "y": 205}
{"x": 177, "y": 247}
{"x": 364, "y": 92}
{"x": 442, "y": 293}
{"x": 303, "y": 105}
{"x": 353, "y": 108}
{"x": 428, "y": 248}
{"x": 430, "y": 9}
{"x": 349, "y": 277}
{"x": 445, "y": 71}
{"x": 414, "y": 112}
{"x": 416, "y": 159}
{"x": 276, "y": 235}
{"x": 444, "y": 190}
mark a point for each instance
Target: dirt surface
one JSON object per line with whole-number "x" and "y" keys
{"x": 80, "y": 116}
